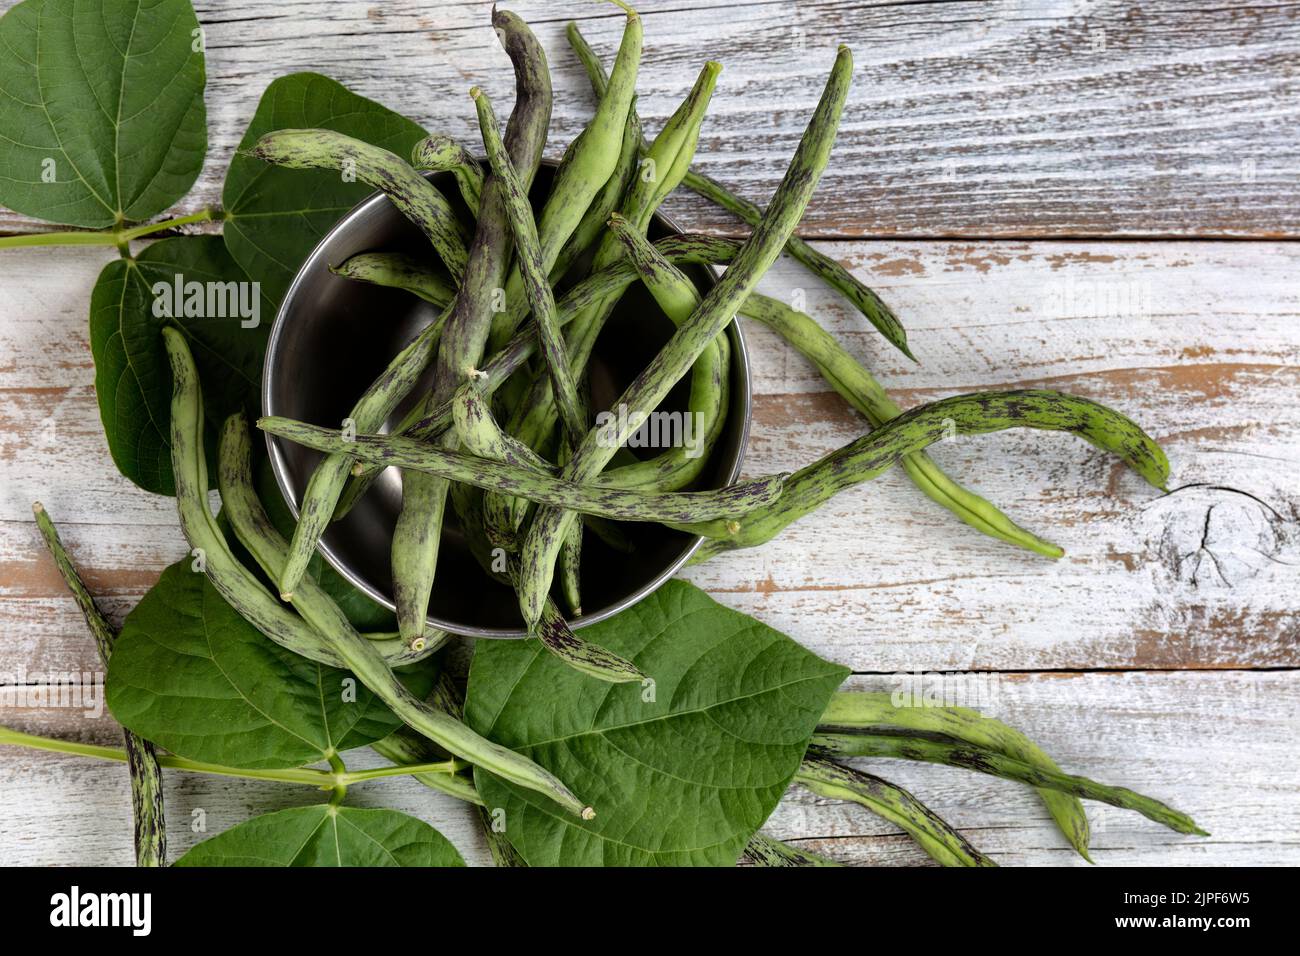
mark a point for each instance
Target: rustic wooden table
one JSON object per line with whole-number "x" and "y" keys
{"x": 1088, "y": 195}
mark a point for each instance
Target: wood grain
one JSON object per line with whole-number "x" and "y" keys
{"x": 1020, "y": 118}
{"x": 1161, "y": 653}
{"x": 881, "y": 580}
{"x": 1217, "y": 746}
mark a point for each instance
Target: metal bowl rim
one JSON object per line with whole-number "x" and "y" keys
{"x": 280, "y": 470}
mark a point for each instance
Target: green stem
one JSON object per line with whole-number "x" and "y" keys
{"x": 340, "y": 785}
{"x": 338, "y": 777}
{"x": 114, "y": 237}
{"x": 404, "y": 770}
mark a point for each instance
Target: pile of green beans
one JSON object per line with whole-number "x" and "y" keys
{"x": 508, "y": 435}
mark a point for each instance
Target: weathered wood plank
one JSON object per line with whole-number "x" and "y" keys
{"x": 1024, "y": 118}
{"x": 1217, "y": 746}
{"x": 1206, "y": 356}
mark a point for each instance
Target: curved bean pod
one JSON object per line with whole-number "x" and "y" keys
{"x": 849, "y": 378}
{"x": 235, "y": 583}
{"x": 417, "y": 198}
{"x": 418, "y": 532}
{"x": 944, "y": 844}
{"x": 360, "y": 656}
{"x": 762, "y": 850}
{"x": 259, "y": 536}
{"x": 585, "y": 168}
{"x": 676, "y": 358}
{"x": 423, "y": 423}
{"x": 396, "y": 270}
{"x": 480, "y": 433}
{"x": 533, "y": 268}
{"x": 876, "y": 713}
{"x": 327, "y": 482}
{"x": 857, "y": 386}
{"x": 976, "y": 414}
{"x": 831, "y": 272}
{"x": 595, "y": 498}
{"x": 440, "y": 153}
{"x": 999, "y": 765}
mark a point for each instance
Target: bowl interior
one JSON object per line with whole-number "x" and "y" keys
{"x": 333, "y": 336}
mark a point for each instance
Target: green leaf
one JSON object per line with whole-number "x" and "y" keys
{"x": 132, "y": 375}
{"x": 107, "y": 123}
{"x": 275, "y": 216}
{"x": 683, "y": 778}
{"x": 194, "y": 677}
{"x": 327, "y": 836}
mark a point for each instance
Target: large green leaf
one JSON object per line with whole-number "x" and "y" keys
{"x": 682, "y": 772}
{"x": 275, "y": 216}
{"x": 194, "y": 677}
{"x": 101, "y": 108}
{"x": 327, "y": 836}
{"x": 132, "y": 375}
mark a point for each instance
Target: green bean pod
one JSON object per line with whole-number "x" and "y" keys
{"x": 570, "y": 569}
{"x": 396, "y": 270}
{"x": 424, "y": 423}
{"x": 996, "y": 764}
{"x": 976, "y": 414}
{"x": 678, "y": 297}
{"x": 235, "y": 583}
{"x": 944, "y": 844}
{"x": 321, "y": 496}
{"x": 857, "y": 386}
{"x": 533, "y": 268}
{"x": 269, "y": 549}
{"x": 850, "y": 379}
{"x": 359, "y": 655}
{"x": 442, "y": 154}
{"x": 831, "y": 272}
{"x": 875, "y": 713}
{"x": 418, "y": 532}
{"x": 661, "y": 170}
{"x": 416, "y": 197}
{"x": 142, "y": 760}
{"x": 585, "y": 168}
{"x": 764, "y": 851}
{"x": 724, "y": 504}
{"x": 652, "y": 385}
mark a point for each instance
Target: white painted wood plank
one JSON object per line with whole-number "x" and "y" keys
{"x": 1218, "y": 746}
{"x": 881, "y": 579}
{"x": 1026, "y": 117}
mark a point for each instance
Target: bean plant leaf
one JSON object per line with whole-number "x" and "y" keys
{"x": 190, "y": 282}
{"x": 275, "y": 216}
{"x": 101, "y": 108}
{"x": 682, "y": 770}
{"x": 194, "y": 677}
{"x": 327, "y": 836}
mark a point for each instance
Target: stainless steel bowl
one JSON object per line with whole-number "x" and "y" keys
{"x": 332, "y": 336}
